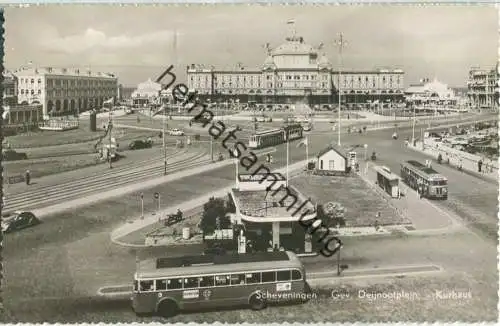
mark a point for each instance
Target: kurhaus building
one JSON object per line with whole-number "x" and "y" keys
{"x": 296, "y": 72}
{"x": 63, "y": 91}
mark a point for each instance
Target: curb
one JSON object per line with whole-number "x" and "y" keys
{"x": 115, "y": 234}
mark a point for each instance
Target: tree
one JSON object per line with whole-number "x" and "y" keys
{"x": 212, "y": 210}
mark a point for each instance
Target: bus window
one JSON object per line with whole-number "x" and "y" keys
{"x": 174, "y": 284}
{"x": 222, "y": 280}
{"x": 237, "y": 279}
{"x": 296, "y": 275}
{"x": 146, "y": 285}
{"x": 206, "y": 281}
{"x": 161, "y": 284}
{"x": 190, "y": 282}
{"x": 268, "y": 277}
{"x": 283, "y": 275}
{"x": 253, "y": 278}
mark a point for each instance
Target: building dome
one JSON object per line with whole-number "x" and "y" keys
{"x": 294, "y": 46}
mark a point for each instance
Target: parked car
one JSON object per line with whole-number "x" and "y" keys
{"x": 18, "y": 220}
{"x": 11, "y": 155}
{"x": 176, "y": 132}
{"x": 140, "y": 144}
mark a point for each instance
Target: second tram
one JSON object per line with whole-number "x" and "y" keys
{"x": 425, "y": 179}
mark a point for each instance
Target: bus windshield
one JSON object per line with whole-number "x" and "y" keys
{"x": 439, "y": 182}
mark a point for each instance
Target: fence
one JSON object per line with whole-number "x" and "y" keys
{"x": 469, "y": 161}
{"x": 59, "y": 124}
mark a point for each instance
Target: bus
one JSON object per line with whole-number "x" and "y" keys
{"x": 415, "y": 174}
{"x": 166, "y": 286}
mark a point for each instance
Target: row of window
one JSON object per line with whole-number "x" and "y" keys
{"x": 296, "y": 77}
{"x": 69, "y": 82}
{"x": 217, "y": 280}
{"x": 68, "y": 93}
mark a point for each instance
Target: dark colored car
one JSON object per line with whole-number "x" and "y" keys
{"x": 18, "y": 220}
{"x": 11, "y": 155}
{"x": 140, "y": 144}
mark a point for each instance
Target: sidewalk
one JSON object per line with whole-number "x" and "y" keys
{"x": 468, "y": 161}
{"x": 149, "y": 219}
{"x": 425, "y": 216}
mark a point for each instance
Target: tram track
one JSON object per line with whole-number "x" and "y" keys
{"x": 127, "y": 166}
{"x": 75, "y": 188}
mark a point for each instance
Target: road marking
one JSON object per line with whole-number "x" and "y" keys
{"x": 388, "y": 270}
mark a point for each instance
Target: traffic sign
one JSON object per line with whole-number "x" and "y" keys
{"x": 157, "y": 195}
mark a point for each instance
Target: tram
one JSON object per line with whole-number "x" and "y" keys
{"x": 275, "y": 136}
{"x": 433, "y": 184}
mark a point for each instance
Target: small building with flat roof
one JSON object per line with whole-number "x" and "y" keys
{"x": 270, "y": 210}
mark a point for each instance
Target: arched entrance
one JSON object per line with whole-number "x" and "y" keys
{"x": 72, "y": 106}
{"x": 65, "y": 105}
{"x": 50, "y": 106}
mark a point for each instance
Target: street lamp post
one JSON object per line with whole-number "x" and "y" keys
{"x": 164, "y": 146}
{"x": 341, "y": 43}
{"x": 110, "y": 127}
{"x": 414, "y": 121}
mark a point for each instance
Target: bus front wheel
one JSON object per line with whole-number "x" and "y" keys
{"x": 168, "y": 308}
{"x": 257, "y": 302}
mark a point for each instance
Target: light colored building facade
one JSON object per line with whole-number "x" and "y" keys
{"x": 296, "y": 72}
{"x": 483, "y": 88}
{"x": 332, "y": 159}
{"x": 64, "y": 91}
{"x": 432, "y": 93}
{"x": 146, "y": 93}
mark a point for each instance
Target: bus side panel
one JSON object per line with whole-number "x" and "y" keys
{"x": 144, "y": 302}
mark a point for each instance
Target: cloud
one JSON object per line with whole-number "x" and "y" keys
{"x": 93, "y": 39}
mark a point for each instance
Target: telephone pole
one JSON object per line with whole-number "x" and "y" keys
{"x": 110, "y": 127}
{"x": 164, "y": 145}
{"x": 340, "y": 42}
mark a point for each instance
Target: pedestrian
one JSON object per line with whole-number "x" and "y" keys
{"x": 27, "y": 177}
{"x": 479, "y": 165}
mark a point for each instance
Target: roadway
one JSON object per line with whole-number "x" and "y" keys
{"x": 53, "y": 270}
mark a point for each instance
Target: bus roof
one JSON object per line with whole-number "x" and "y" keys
{"x": 265, "y": 132}
{"x": 422, "y": 167}
{"x": 212, "y": 264}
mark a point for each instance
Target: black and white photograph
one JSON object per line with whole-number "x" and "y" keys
{"x": 241, "y": 163}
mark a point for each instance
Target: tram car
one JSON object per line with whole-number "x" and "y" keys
{"x": 275, "y": 137}
{"x": 434, "y": 185}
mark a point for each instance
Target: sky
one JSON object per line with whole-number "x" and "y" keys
{"x": 137, "y": 42}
